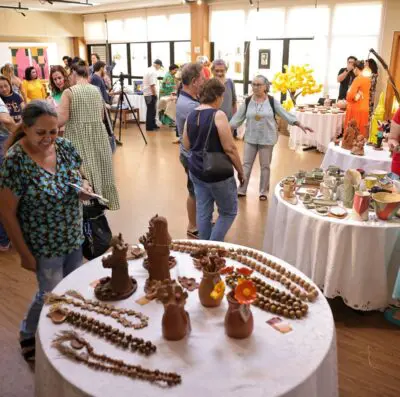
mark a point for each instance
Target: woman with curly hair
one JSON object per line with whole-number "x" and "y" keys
{"x": 32, "y": 86}
{"x": 58, "y": 83}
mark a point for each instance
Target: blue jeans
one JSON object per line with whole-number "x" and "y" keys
{"x": 224, "y": 194}
{"x": 4, "y": 241}
{"x": 49, "y": 272}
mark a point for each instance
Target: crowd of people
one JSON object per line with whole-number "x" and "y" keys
{"x": 52, "y": 142}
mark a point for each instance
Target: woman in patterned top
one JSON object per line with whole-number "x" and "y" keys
{"x": 81, "y": 111}
{"x": 38, "y": 207}
{"x": 13, "y": 101}
{"x": 8, "y": 71}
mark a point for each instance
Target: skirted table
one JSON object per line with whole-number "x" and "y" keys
{"x": 301, "y": 363}
{"x": 355, "y": 260}
{"x": 137, "y": 101}
{"x": 325, "y": 126}
{"x": 373, "y": 159}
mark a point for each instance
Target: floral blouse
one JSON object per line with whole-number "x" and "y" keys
{"x": 49, "y": 210}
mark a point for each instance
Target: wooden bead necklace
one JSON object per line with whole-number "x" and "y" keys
{"x": 107, "y": 364}
{"x": 272, "y": 299}
{"x": 60, "y": 315}
{"x": 261, "y": 264}
{"x": 98, "y": 307}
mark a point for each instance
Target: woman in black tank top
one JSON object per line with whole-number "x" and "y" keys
{"x": 221, "y": 189}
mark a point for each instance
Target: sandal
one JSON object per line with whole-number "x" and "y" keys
{"x": 241, "y": 195}
{"x": 194, "y": 234}
{"x": 263, "y": 197}
{"x": 28, "y": 349}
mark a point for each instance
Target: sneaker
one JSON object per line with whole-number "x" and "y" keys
{"x": 176, "y": 140}
{"x": 5, "y": 248}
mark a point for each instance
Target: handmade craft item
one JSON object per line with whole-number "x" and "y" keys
{"x": 326, "y": 191}
{"x": 211, "y": 266}
{"x": 352, "y": 180}
{"x": 386, "y": 205}
{"x": 120, "y": 285}
{"x": 361, "y": 206}
{"x": 370, "y": 181}
{"x": 376, "y": 120}
{"x": 135, "y": 253}
{"x": 171, "y": 262}
{"x": 379, "y": 140}
{"x": 239, "y": 323}
{"x": 156, "y": 243}
{"x": 358, "y": 146}
{"x": 75, "y": 299}
{"x": 175, "y": 321}
{"x": 68, "y": 343}
{"x": 189, "y": 283}
{"x": 350, "y": 134}
{"x": 59, "y": 315}
{"x": 288, "y": 189}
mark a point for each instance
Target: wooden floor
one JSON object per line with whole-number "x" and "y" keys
{"x": 151, "y": 180}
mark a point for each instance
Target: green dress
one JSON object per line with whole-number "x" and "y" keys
{"x": 168, "y": 86}
{"x": 86, "y": 130}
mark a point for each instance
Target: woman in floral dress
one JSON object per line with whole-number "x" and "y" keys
{"x": 81, "y": 111}
{"x": 39, "y": 209}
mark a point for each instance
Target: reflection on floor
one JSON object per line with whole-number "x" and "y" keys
{"x": 151, "y": 180}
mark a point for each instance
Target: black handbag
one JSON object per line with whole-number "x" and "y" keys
{"x": 216, "y": 164}
{"x": 96, "y": 230}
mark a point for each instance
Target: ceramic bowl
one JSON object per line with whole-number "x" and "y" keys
{"x": 386, "y": 205}
{"x": 380, "y": 174}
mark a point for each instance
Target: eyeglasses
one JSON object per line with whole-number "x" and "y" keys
{"x": 256, "y": 85}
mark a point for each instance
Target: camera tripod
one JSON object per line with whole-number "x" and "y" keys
{"x": 122, "y": 96}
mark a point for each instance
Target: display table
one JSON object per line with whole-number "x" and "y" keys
{"x": 355, "y": 260}
{"x": 137, "y": 101}
{"x": 373, "y": 159}
{"x": 301, "y": 363}
{"x": 325, "y": 127}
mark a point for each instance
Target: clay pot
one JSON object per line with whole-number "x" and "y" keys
{"x": 386, "y": 205}
{"x": 207, "y": 285}
{"x": 361, "y": 206}
{"x": 239, "y": 323}
{"x": 175, "y": 322}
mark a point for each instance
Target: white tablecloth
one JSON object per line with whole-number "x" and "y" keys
{"x": 373, "y": 159}
{"x": 137, "y": 101}
{"x": 325, "y": 127}
{"x": 301, "y": 363}
{"x": 355, "y": 260}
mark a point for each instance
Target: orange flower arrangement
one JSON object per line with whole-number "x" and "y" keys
{"x": 245, "y": 292}
{"x": 244, "y": 271}
{"x": 226, "y": 270}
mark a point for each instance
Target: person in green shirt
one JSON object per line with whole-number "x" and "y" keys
{"x": 168, "y": 87}
{"x": 58, "y": 83}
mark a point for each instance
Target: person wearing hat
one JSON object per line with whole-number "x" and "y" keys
{"x": 150, "y": 84}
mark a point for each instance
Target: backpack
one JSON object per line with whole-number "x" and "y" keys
{"x": 271, "y": 102}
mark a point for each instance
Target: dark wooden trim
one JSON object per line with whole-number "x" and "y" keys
{"x": 171, "y": 54}
{"x": 149, "y": 60}
{"x": 246, "y": 67}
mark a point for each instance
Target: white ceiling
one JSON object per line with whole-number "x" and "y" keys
{"x": 99, "y": 5}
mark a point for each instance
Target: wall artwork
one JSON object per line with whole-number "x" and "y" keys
{"x": 264, "y": 59}
{"x": 23, "y": 57}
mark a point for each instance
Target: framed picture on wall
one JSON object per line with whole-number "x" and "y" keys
{"x": 264, "y": 59}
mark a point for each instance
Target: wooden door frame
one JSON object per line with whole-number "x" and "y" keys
{"x": 395, "y": 71}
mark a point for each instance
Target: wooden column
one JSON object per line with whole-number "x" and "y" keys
{"x": 200, "y": 36}
{"x": 395, "y": 71}
{"x": 79, "y": 47}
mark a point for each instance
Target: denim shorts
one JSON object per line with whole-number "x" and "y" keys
{"x": 184, "y": 162}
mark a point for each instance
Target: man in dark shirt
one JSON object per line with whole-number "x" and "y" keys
{"x": 346, "y": 77}
{"x": 97, "y": 79}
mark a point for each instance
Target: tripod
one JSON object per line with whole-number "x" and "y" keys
{"x": 122, "y": 96}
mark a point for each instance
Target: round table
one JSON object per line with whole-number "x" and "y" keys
{"x": 355, "y": 260}
{"x": 301, "y": 363}
{"x": 325, "y": 126}
{"x": 373, "y": 159}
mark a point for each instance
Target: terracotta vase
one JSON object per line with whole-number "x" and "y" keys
{"x": 175, "y": 322}
{"x": 239, "y": 323}
{"x": 361, "y": 206}
{"x": 207, "y": 285}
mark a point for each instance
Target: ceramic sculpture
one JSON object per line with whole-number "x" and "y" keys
{"x": 350, "y": 134}
{"x": 358, "y": 146}
{"x": 120, "y": 285}
{"x": 352, "y": 180}
{"x": 156, "y": 242}
{"x": 361, "y": 206}
{"x": 175, "y": 321}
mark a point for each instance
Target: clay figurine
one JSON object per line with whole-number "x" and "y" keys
{"x": 120, "y": 285}
{"x": 156, "y": 242}
{"x": 350, "y": 134}
{"x": 379, "y": 139}
{"x": 358, "y": 146}
{"x": 211, "y": 277}
{"x": 175, "y": 321}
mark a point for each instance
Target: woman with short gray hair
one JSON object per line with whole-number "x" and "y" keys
{"x": 261, "y": 134}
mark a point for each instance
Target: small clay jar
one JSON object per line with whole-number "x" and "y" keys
{"x": 239, "y": 323}
{"x": 207, "y": 285}
{"x": 175, "y": 322}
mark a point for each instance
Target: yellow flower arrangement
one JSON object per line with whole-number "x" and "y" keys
{"x": 295, "y": 80}
{"x": 218, "y": 291}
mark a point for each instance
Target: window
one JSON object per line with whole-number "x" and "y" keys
{"x": 119, "y": 56}
{"x": 183, "y": 52}
{"x": 161, "y": 51}
{"x": 135, "y": 29}
{"x": 266, "y": 23}
{"x": 233, "y": 56}
{"x": 139, "y": 62}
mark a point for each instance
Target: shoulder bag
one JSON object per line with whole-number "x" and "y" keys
{"x": 216, "y": 164}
